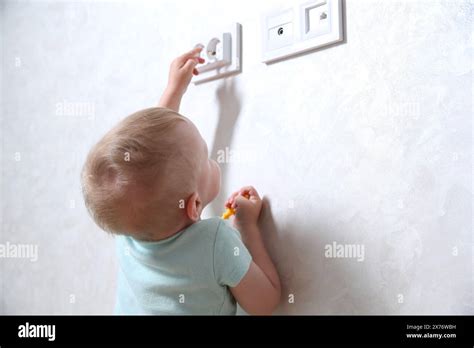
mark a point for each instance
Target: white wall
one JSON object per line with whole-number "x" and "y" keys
{"x": 368, "y": 142}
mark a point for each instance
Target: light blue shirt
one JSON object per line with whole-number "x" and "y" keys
{"x": 187, "y": 273}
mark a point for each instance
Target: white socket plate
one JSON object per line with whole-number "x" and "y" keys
{"x": 235, "y": 67}
{"x": 303, "y": 27}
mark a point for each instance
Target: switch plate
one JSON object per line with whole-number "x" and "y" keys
{"x": 310, "y": 25}
{"x": 228, "y": 56}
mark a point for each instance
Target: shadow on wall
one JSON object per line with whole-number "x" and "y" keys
{"x": 229, "y": 104}
{"x": 295, "y": 256}
{"x": 288, "y": 250}
{"x": 291, "y": 254}
{"x": 311, "y": 283}
{"x": 306, "y": 275}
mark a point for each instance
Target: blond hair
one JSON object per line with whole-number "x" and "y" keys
{"x": 137, "y": 173}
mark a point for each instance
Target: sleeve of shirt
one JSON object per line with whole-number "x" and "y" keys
{"x": 231, "y": 257}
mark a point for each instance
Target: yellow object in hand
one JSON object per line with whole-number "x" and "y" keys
{"x": 230, "y": 211}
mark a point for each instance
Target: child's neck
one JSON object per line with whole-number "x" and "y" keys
{"x": 169, "y": 232}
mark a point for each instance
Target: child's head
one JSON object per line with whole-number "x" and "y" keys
{"x": 149, "y": 175}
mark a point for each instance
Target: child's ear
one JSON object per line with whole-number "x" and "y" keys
{"x": 194, "y": 207}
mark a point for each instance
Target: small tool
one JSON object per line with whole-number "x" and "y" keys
{"x": 230, "y": 211}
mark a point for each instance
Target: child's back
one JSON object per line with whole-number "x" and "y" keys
{"x": 187, "y": 273}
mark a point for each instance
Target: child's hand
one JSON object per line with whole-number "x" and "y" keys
{"x": 182, "y": 70}
{"x": 247, "y": 211}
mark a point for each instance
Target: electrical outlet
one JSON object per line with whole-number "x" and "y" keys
{"x": 306, "y": 26}
{"x": 278, "y": 29}
{"x": 222, "y": 54}
{"x": 316, "y": 19}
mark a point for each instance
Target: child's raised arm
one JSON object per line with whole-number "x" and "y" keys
{"x": 181, "y": 72}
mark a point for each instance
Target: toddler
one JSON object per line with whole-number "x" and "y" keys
{"x": 147, "y": 181}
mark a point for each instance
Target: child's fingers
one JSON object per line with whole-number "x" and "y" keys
{"x": 251, "y": 191}
{"x": 241, "y": 201}
{"x": 190, "y": 65}
{"x": 181, "y": 63}
{"x": 244, "y": 194}
{"x": 230, "y": 200}
{"x": 200, "y": 61}
{"x": 191, "y": 54}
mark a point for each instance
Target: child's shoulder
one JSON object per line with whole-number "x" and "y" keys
{"x": 206, "y": 229}
{"x": 212, "y": 226}
{"x": 212, "y": 221}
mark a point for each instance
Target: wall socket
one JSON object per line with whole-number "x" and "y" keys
{"x": 223, "y": 55}
{"x": 303, "y": 27}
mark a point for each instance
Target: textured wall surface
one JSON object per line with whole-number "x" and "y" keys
{"x": 368, "y": 142}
